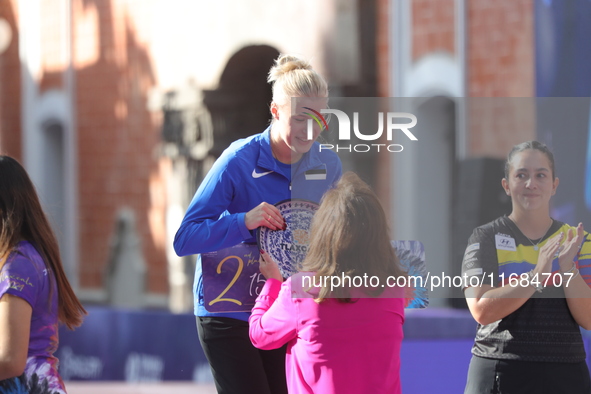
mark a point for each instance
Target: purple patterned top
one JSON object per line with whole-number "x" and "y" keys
{"x": 25, "y": 275}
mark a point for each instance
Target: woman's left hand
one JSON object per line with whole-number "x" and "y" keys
{"x": 570, "y": 247}
{"x": 266, "y": 215}
{"x": 269, "y": 267}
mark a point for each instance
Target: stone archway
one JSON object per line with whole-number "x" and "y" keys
{"x": 239, "y": 107}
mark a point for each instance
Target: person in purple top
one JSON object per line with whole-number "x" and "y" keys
{"x": 35, "y": 294}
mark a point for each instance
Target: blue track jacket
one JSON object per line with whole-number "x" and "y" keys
{"x": 236, "y": 184}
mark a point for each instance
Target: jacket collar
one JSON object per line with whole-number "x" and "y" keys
{"x": 266, "y": 159}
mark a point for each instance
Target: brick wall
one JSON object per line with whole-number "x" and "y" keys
{"x": 433, "y": 27}
{"x": 496, "y": 124}
{"x": 501, "y": 48}
{"x": 117, "y": 135}
{"x": 501, "y": 63}
{"x": 384, "y": 75}
{"x": 117, "y": 140}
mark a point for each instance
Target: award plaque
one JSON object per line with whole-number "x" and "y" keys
{"x": 289, "y": 247}
{"x": 412, "y": 259}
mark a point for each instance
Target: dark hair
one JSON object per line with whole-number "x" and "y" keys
{"x": 530, "y": 145}
{"x": 349, "y": 235}
{"x": 22, "y": 218}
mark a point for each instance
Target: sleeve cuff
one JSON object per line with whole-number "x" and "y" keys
{"x": 244, "y": 231}
{"x": 271, "y": 289}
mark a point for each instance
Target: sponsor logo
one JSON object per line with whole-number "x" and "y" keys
{"x": 469, "y": 263}
{"x": 505, "y": 242}
{"x": 256, "y": 174}
{"x": 473, "y": 271}
{"x": 472, "y": 247}
{"x": 470, "y": 255}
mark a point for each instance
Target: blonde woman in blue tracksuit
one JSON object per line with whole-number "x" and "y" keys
{"x": 237, "y": 196}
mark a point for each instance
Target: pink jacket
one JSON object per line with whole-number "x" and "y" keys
{"x": 333, "y": 347}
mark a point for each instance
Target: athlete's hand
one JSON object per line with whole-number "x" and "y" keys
{"x": 571, "y": 247}
{"x": 264, "y": 215}
{"x": 548, "y": 253}
{"x": 269, "y": 267}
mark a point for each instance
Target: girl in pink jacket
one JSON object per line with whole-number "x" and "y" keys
{"x": 344, "y": 335}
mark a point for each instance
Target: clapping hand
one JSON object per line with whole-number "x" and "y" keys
{"x": 548, "y": 253}
{"x": 570, "y": 248}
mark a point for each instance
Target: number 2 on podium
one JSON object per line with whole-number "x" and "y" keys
{"x": 234, "y": 279}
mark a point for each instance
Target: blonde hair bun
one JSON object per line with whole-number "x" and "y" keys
{"x": 293, "y": 76}
{"x": 285, "y": 64}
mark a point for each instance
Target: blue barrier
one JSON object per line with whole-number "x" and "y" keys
{"x": 115, "y": 344}
{"x": 133, "y": 346}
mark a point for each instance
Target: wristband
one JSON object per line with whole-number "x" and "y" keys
{"x": 572, "y": 269}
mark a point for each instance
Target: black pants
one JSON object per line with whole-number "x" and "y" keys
{"x": 486, "y": 376}
{"x": 237, "y": 366}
